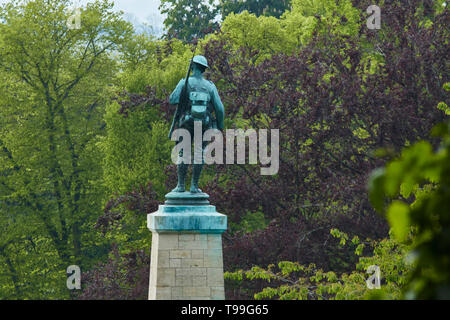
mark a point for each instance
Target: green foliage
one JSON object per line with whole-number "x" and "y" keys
{"x": 398, "y": 217}
{"x": 295, "y": 28}
{"x": 65, "y": 150}
{"x": 261, "y": 33}
{"x": 293, "y": 281}
{"x": 418, "y": 164}
{"x": 425, "y": 173}
{"x": 53, "y": 88}
{"x": 156, "y": 63}
{"x": 136, "y": 151}
{"x": 29, "y": 262}
{"x": 339, "y": 16}
{"x": 258, "y": 7}
{"x": 188, "y": 19}
{"x": 340, "y": 235}
{"x": 251, "y": 221}
{"x": 442, "y": 105}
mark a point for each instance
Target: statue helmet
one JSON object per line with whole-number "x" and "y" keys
{"x": 201, "y": 60}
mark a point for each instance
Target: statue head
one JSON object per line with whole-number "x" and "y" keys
{"x": 201, "y": 63}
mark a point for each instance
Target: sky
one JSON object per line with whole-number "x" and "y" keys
{"x": 140, "y": 11}
{"x": 136, "y": 11}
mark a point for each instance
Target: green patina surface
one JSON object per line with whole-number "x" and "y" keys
{"x": 190, "y": 214}
{"x": 201, "y": 219}
{"x": 197, "y": 101}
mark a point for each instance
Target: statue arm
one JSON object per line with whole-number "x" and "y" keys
{"x": 219, "y": 109}
{"x": 174, "y": 98}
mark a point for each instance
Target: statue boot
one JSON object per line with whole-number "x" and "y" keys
{"x": 196, "y": 172}
{"x": 182, "y": 169}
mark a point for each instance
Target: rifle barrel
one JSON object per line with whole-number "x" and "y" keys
{"x": 183, "y": 99}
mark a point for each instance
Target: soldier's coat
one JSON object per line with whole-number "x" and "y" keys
{"x": 215, "y": 101}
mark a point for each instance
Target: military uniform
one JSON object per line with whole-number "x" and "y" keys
{"x": 206, "y": 93}
{"x": 205, "y": 106}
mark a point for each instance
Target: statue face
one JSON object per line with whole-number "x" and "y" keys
{"x": 199, "y": 68}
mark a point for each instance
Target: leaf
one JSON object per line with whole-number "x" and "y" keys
{"x": 335, "y": 233}
{"x": 399, "y": 218}
{"x": 443, "y": 107}
{"x": 359, "y": 249}
{"x": 407, "y": 188}
{"x": 376, "y": 188}
{"x": 394, "y": 175}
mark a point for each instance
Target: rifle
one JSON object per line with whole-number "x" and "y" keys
{"x": 184, "y": 100}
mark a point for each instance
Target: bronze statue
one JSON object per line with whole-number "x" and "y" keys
{"x": 197, "y": 99}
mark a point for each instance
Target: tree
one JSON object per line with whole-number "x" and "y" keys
{"x": 335, "y": 104}
{"x": 54, "y": 81}
{"x": 323, "y": 97}
{"x": 416, "y": 186}
{"x": 268, "y": 35}
{"x": 188, "y": 19}
{"x": 273, "y": 8}
{"x": 294, "y": 281}
{"x": 337, "y": 96}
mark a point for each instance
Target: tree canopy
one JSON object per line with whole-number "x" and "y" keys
{"x": 188, "y": 19}
{"x": 84, "y": 153}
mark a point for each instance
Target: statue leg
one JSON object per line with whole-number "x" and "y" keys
{"x": 196, "y": 172}
{"x": 182, "y": 172}
{"x": 182, "y": 169}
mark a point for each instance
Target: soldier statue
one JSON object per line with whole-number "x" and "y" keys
{"x": 197, "y": 99}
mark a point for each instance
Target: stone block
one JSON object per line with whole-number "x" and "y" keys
{"x": 201, "y": 237}
{"x": 190, "y": 263}
{"x": 163, "y": 259}
{"x": 191, "y": 272}
{"x": 186, "y": 257}
{"x": 213, "y": 258}
{"x": 193, "y": 244}
{"x": 180, "y": 254}
{"x": 199, "y": 281}
{"x": 183, "y": 281}
{"x": 152, "y": 293}
{"x": 217, "y": 293}
{"x": 186, "y": 237}
{"x": 177, "y": 292}
{"x": 168, "y": 241}
{"x": 175, "y": 263}
{"x": 165, "y": 277}
{"x": 163, "y": 293}
{"x": 214, "y": 241}
{"x": 196, "y": 292}
{"x": 215, "y": 277}
{"x": 197, "y": 254}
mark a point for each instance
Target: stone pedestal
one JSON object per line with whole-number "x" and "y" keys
{"x": 186, "y": 258}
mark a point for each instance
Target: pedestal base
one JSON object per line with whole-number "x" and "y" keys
{"x": 186, "y": 258}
